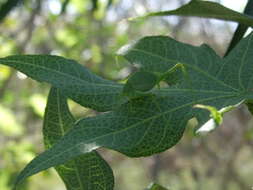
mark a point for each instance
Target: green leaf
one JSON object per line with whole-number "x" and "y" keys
{"x": 151, "y": 124}
{"x": 135, "y": 130}
{"x": 76, "y": 82}
{"x": 156, "y": 187}
{"x": 206, "y": 9}
{"x": 88, "y": 171}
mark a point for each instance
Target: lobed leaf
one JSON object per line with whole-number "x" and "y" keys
{"x": 86, "y": 172}
{"x": 206, "y": 9}
{"x": 74, "y": 80}
{"x": 153, "y": 123}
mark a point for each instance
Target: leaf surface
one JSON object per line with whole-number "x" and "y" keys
{"x": 206, "y": 9}
{"x": 86, "y": 172}
{"x": 77, "y": 82}
{"x": 155, "y": 122}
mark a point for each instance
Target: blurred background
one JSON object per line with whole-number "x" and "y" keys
{"x": 91, "y": 31}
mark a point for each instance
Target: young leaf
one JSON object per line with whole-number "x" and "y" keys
{"x": 206, "y": 9}
{"x": 152, "y": 124}
{"x": 215, "y": 114}
{"x": 216, "y": 117}
{"x": 88, "y": 171}
{"x": 75, "y": 81}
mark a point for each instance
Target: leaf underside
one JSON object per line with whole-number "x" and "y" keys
{"x": 156, "y": 187}
{"x": 86, "y": 172}
{"x": 155, "y": 122}
{"x": 206, "y": 9}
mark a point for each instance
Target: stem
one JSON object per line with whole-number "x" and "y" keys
{"x": 64, "y": 6}
{"x": 241, "y": 29}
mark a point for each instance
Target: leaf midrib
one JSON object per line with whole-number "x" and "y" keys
{"x": 64, "y": 74}
{"x": 238, "y": 15}
{"x": 193, "y": 90}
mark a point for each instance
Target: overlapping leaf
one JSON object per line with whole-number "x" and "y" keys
{"x": 155, "y": 122}
{"x": 86, "y": 172}
{"x": 207, "y": 9}
{"x": 74, "y": 80}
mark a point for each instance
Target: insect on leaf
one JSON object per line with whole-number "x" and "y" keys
{"x": 156, "y": 186}
{"x": 151, "y": 124}
{"x": 205, "y": 9}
